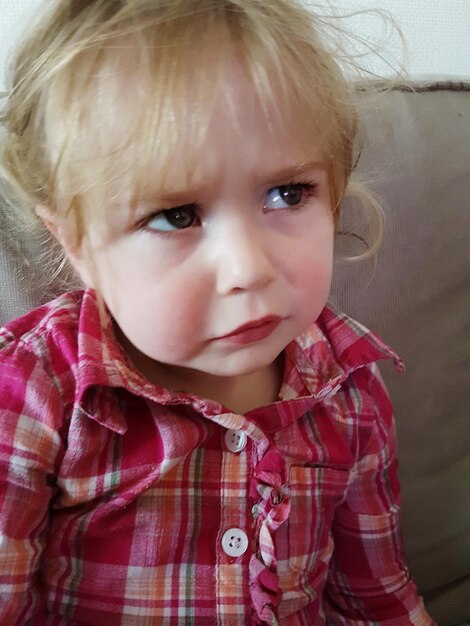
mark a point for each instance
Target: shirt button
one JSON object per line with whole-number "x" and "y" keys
{"x": 235, "y": 440}
{"x": 234, "y": 542}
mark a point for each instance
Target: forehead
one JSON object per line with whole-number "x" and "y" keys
{"x": 242, "y": 132}
{"x": 140, "y": 131}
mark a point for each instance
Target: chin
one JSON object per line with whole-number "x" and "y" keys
{"x": 241, "y": 365}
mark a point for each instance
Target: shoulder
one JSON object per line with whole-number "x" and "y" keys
{"x": 38, "y": 354}
{"x": 39, "y": 349}
{"x": 62, "y": 310}
{"x": 35, "y": 334}
{"x": 47, "y": 320}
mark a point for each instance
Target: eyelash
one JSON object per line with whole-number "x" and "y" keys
{"x": 309, "y": 190}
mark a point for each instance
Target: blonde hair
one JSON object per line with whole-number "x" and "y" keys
{"x": 94, "y": 56}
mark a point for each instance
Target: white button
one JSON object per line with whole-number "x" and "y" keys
{"x": 234, "y": 542}
{"x": 235, "y": 440}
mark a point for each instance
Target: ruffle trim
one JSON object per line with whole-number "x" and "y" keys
{"x": 268, "y": 487}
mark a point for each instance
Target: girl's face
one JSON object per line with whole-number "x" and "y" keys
{"x": 220, "y": 275}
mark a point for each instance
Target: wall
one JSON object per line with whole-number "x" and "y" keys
{"x": 15, "y": 15}
{"x": 436, "y": 32}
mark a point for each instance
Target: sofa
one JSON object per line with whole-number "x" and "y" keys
{"x": 415, "y": 156}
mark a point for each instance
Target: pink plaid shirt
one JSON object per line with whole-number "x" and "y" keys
{"x": 123, "y": 503}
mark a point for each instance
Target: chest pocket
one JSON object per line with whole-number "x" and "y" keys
{"x": 305, "y": 542}
{"x": 315, "y": 493}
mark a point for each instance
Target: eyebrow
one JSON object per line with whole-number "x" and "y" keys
{"x": 282, "y": 175}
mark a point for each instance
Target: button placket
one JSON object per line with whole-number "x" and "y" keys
{"x": 328, "y": 392}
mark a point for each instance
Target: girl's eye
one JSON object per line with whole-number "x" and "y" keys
{"x": 288, "y": 196}
{"x": 178, "y": 218}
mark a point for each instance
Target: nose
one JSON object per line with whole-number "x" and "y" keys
{"x": 244, "y": 260}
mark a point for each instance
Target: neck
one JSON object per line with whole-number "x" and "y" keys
{"x": 239, "y": 394}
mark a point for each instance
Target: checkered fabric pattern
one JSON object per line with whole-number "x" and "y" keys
{"x": 116, "y": 494}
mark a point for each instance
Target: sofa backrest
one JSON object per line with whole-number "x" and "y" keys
{"x": 416, "y": 157}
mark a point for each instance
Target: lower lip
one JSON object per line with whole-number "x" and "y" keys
{"x": 252, "y": 335}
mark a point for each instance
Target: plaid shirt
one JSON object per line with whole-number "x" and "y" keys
{"x": 116, "y": 495}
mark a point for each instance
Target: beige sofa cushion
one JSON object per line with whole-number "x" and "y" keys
{"x": 417, "y": 158}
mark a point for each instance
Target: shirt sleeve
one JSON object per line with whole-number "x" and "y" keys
{"x": 369, "y": 582}
{"x": 29, "y": 446}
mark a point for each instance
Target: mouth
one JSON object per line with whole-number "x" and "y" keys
{"x": 253, "y": 331}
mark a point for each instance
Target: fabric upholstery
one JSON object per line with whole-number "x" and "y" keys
{"x": 416, "y": 157}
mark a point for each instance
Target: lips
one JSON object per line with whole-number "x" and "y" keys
{"x": 253, "y": 331}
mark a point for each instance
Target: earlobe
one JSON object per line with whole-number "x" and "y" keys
{"x": 55, "y": 225}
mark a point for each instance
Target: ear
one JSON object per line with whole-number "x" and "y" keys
{"x": 57, "y": 227}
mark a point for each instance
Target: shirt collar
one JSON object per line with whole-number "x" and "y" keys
{"x": 104, "y": 367}
{"x": 316, "y": 361}
{"x": 332, "y": 348}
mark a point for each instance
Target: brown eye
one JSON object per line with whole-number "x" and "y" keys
{"x": 291, "y": 194}
{"x": 168, "y": 220}
{"x": 180, "y": 217}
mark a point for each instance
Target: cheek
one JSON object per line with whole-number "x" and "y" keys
{"x": 311, "y": 256}
{"x": 314, "y": 281}
{"x": 310, "y": 271}
{"x": 314, "y": 276}
{"x": 160, "y": 311}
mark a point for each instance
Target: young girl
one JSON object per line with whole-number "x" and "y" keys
{"x": 195, "y": 438}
